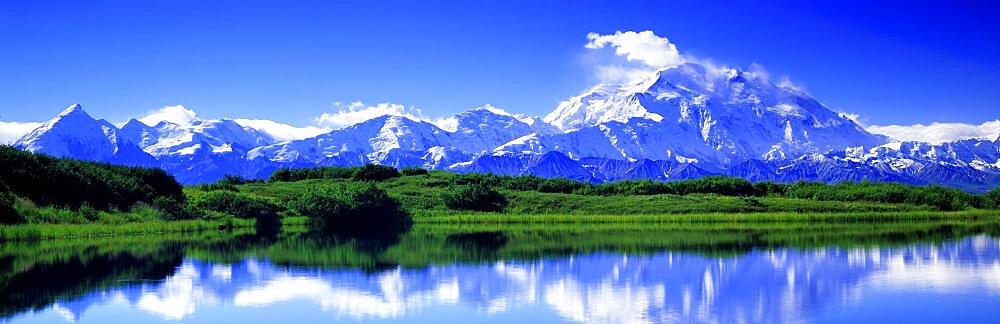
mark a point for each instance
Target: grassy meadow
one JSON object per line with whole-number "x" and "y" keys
{"x": 44, "y": 197}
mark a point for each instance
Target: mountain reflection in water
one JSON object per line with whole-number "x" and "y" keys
{"x": 769, "y": 285}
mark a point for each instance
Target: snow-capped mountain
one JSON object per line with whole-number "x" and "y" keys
{"x": 681, "y": 122}
{"x": 693, "y": 113}
{"x": 169, "y": 139}
{"x": 73, "y": 133}
{"x": 401, "y": 141}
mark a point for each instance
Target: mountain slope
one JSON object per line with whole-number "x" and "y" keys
{"x": 693, "y": 113}
{"x": 73, "y": 133}
{"x": 681, "y": 122}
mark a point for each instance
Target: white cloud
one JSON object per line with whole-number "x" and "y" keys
{"x": 10, "y": 132}
{"x": 856, "y": 118}
{"x": 174, "y": 114}
{"x": 357, "y": 112}
{"x": 282, "y": 132}
{"x": 937, "y": 133}
{"x": 636, "y": 54}
{"x": 645, "y": 47}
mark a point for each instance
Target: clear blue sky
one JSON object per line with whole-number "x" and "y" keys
{"x": 899, "y": 63}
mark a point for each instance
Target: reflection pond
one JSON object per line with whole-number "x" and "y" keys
{"x": 938, "y": 271}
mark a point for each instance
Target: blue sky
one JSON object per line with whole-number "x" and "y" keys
{"x": 891, "y": 63}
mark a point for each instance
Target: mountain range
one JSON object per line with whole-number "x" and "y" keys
{"x": 682, "y": 122}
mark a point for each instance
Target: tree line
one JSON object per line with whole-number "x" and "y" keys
{"x": 50, "y": 181}
{"x": 940, "y": 197}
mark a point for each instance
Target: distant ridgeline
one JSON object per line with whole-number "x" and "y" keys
{"x": 680, "y": 123}
{"x": 60, "y": 182}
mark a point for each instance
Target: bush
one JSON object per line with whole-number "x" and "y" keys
{"x": 46, "y": 215}
{"x": 50, "y": 181}
{"x": 236, "y": 204}
{"x": 751, "y": 204}
{"x": 560, "y": 185}
{"x": 354, "y": 207}
{"x": 141, "y": 212}
{"x": 941, "y": 198}
{"x": 521, "y": 183}
{"x": 487, "y": 179}
{"x": 8, "y": 214}
{"x": 236, "y": 180}
{"x": 88, "y": 213}
{"x": 375, "y": 172}
{"x": 769, "y": 189}
{"x": 288, "y": 175}
{"x": 414, "y": 171}
{"x": 173, "y": 209}
{"x": 476, "y": 197}
{"x": 993, "y": 199}
{"x": 218, "y": 186}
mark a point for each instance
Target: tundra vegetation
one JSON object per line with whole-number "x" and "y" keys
{"x": 40, "y": 195}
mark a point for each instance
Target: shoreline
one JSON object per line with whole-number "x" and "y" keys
{"x": 29, "y": 232}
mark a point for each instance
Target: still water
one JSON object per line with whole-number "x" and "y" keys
{"x": 934, "y": 274}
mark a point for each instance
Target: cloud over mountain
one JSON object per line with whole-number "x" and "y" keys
{"x": 10, "y": 132}
{"x": 175, "y": 114}
{"x": 937, "y": 133}
{"x": 645, "y": 47}
{"x": 635, "y": 55}
{"x": 282, "y": 132}
{"x": 357, "y": 112}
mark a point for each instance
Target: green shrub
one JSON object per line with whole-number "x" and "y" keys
{"x": 993, "y": 199}
{"x": 487, "y": 179}
{"x": 476, "y": 197}
{"x": 322, "y": 206}
{"x": 236, "y": 180}
{"x": 520, "y": 183}
{"x": 560, "y": 185}
{"x": 140, "y": 212}
{"x": 281, "y": 175}
{"x": 88, "y": 213}
{"x": 50, "y": 181}
{"x": 413, "y": 171}
{"x": 8, "y": 214}
{"x": 242, "y": 206}
{"x": 218, "y": 186}
{"x": 752, "y": 204}
{"x": 236, "y": 204}
{"x": 353, "y": 207}
{"x": 941, "y": 198}
{"x": 288, "y": 175}
{"x": 769, "y": 189}
{"x": 228, "y": 182}
{"x": 47, "y": 215}
{"x": 375, "y": 172}
{"x": 174, "y": 210}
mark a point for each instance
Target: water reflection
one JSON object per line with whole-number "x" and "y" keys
{"x": 769, "y": 285}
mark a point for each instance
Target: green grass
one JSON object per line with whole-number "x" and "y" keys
{"x": 843, "y": 217}
{"x": 50, "y": 231}
{"x": 422, "y": 197}
{"x": 24, "y": 232}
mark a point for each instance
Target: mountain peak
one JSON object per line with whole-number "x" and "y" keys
{"x": 72, "y": 110}
{"x": 132, "y": 122}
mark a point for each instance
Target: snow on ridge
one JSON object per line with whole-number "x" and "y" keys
{"x": 939, "y": 133}
{"x": 282, "y": 132}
